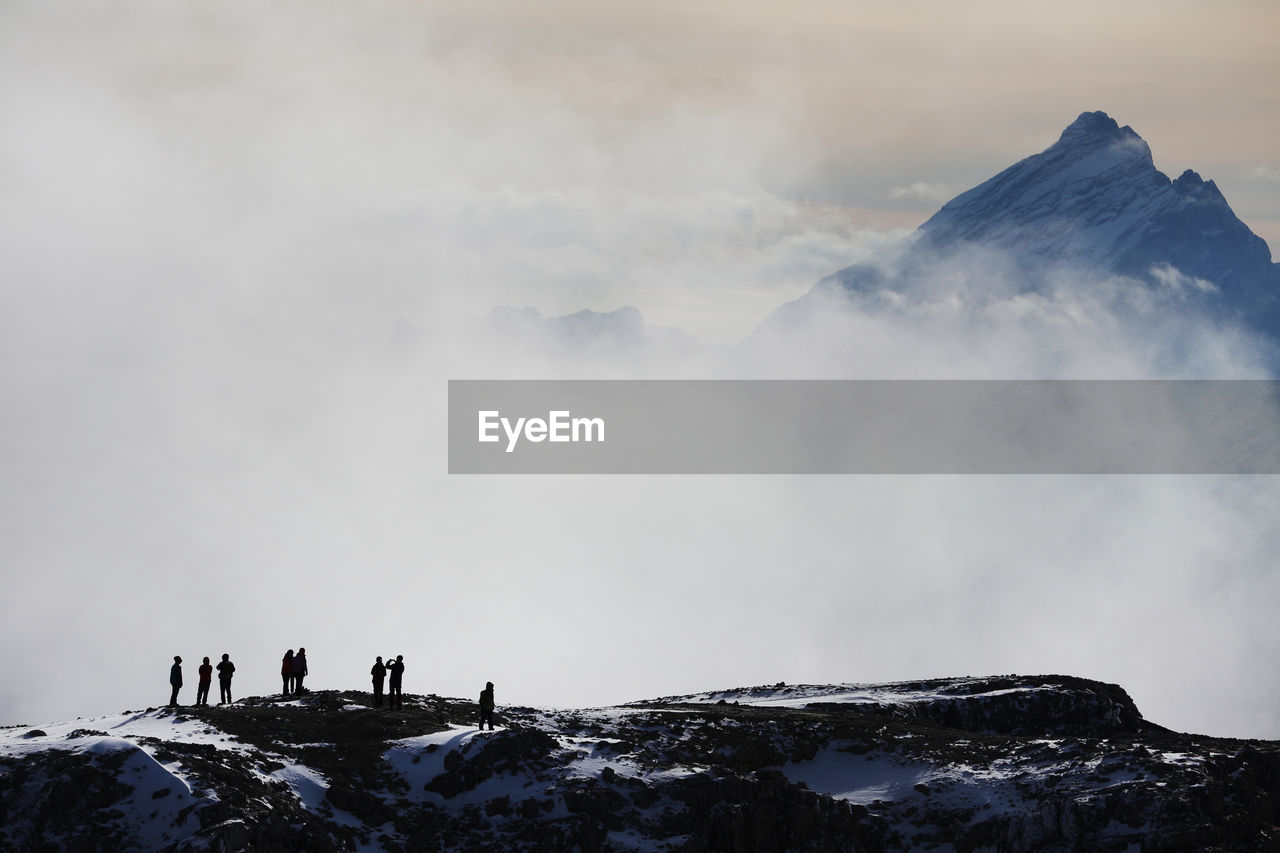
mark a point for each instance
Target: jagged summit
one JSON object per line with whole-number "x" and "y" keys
{"x": 1190, "y": 184}
{"x": 1095, "y": 129}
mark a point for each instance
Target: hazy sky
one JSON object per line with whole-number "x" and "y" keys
{"x": 212, "y": 215}
{"x": 744, "y": 149}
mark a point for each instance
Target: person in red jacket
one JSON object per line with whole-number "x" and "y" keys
{"x": 206, "y": 678}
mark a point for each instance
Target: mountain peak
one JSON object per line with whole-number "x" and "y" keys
{"x": 1098, "y": 176}
{"x": 1094, "y": 131}
{"x": 1091, "y": 125}
{"x": 1094, "y": 200}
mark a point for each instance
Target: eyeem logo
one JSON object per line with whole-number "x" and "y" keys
{"x": 558, "y": 426}
{"x": 824, "y": 426}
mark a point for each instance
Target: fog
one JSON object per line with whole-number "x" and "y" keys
{"x": 211, "y": 221}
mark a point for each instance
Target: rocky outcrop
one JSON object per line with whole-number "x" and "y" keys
{"x": 1008, "y": 763}
{"x": 765, "y": 811}
{"x": 521, "y": 751}
{"x": 1044, "y": 705}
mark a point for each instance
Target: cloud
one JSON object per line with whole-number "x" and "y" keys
{"x": 322, "y": 182}
{"x": 920, "y": 191}
{"x": 1090, "y": 574}
{"x": 169, "y": 471}
{"x": 1265, "y": 174}
{"x": 1171, "y": 277}
{"x": 977, "y": 313}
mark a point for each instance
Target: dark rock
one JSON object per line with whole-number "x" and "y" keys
{"x": 644, "y": 797}
{"x": 367, "y": 807}
{"x": 595, "y": 800}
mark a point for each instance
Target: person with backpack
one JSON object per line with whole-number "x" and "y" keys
{"x": 395, "y": 698}
{"x": 379, "y": 673}
{"x": 225, "y": 670}
{"x": 486, "y": 706}
{"x": 175, "y": 680}
{"x": 299, "y": 670}
{"x": 206, "y": 679}
{"x": 286, "y": 672}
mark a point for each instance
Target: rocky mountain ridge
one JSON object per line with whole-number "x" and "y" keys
{"x": 1002, "y": 763}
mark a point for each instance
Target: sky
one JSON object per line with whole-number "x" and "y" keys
{"x": 213, "y": 216}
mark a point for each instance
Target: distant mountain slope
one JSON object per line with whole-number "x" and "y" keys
{"x": 1092, "y": 204}
{"x": 1096, "y": 199}
{"x": 1008, "y": 763}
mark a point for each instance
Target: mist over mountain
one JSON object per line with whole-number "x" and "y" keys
{"x": 1083, "y": 260}
{"x": 1089, "y": 218}
{"x": 621, "y": 334}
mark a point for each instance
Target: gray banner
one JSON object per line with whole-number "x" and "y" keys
{"x": 864, "y": 427}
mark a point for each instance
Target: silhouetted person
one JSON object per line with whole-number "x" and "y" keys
{"x": 175, "y": 680}
{"x": 202, "y": 687}
{"x": 225, "y": 670}
{"x": 379, "y": 673}
{"x": 486, "y": 706}
{"x": 286, "y": 672}
{"x": 299, "y": 670}
{"x": 395, "y": 698}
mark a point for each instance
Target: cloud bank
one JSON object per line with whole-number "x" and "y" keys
{"x": 213, "y": 219}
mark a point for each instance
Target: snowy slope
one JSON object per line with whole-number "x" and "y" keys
{"x": 157, "y": 796}
{"x": 1095, "y": 199}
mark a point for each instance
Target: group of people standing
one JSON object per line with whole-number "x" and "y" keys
{"x": 395, "y": 699}
{"x": 292, "y": 670}
{"x": 226, "y": 669}
{"x": 380, "y": 671}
